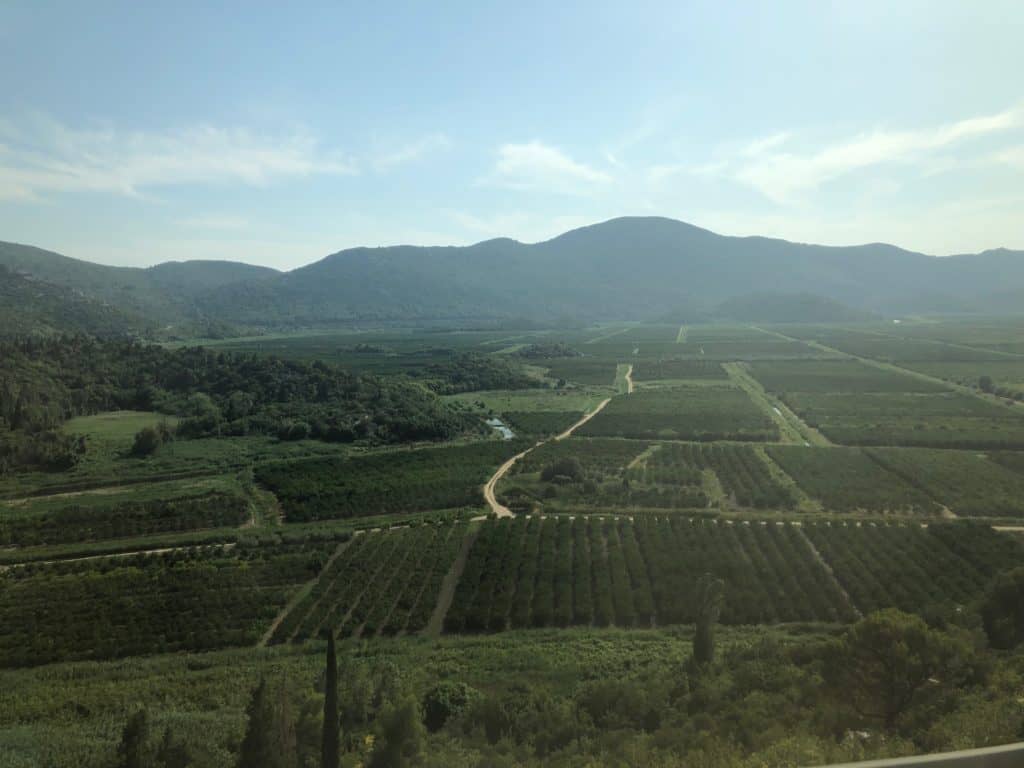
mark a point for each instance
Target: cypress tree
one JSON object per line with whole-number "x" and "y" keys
{"x": 331, "y": 718}
{"x": 710, "y": 591}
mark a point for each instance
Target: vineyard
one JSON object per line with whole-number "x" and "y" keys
{"x": 683, "y": 413}
{"x": 835, "y": 376}
{"x": 379, "y": 583}
{"x": 78, "y": 523}
{"x": 847, "y": 480}
{"x": 949, "y": 420}
{"x": 668, "y": 369}
{"x": 742, "y": 474}
{"x": 384, "y": 483}
{"x": 188, "y": 600}
{"x": 910, "y": 567}
{"x": 969, "y": 483}
{"x": 544, "y": 572}
{"x": 534, "y": 572}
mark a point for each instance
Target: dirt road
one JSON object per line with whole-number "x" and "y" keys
{"x": 500, "y": 509}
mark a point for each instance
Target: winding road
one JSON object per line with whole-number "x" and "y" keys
{"x": 492, "y": 501}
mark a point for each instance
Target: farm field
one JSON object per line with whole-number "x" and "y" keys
{"x": 848, "y": 480}
{"x": 946, "y": 420}
{"x": 967, "y": 482}
{"x": 683, "y": 413}
{"x": 391, "y": 482}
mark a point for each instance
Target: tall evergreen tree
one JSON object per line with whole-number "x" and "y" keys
{"x": 331, "y": 718}
{"x": 710, "y": 591}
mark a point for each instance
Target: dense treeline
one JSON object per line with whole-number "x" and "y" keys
{"x": 389, "y": 482}
{"x": 466, "y": 372}
{"x": 43, "y": 382}
{"x": 77, "y": 523}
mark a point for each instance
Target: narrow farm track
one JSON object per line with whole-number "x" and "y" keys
{"x": 492, "y": 501}
{"x": 131, "y": 553}
{"x": 500, "y": 509}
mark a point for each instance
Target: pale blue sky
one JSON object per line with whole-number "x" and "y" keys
{"x": 276, "y": 133}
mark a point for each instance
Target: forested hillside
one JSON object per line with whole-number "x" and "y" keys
{"x": 44, "y": 382}
{"x": 627, "y": 268}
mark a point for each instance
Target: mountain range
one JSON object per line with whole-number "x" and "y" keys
{"x": 636, "y": 268}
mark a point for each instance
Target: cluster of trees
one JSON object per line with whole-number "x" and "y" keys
{"x": 547, "y": 351}
{"x": 383, "y": 483}
{"x": 742, "y": 473}
{"x": 467, "y": 372}
{"x": 43, "y": 382}
{"x": 78, "y": 523}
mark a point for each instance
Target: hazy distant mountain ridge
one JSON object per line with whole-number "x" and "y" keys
{"x": 626, "y": 268}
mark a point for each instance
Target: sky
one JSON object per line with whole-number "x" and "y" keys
{"x": 278, "y": 133}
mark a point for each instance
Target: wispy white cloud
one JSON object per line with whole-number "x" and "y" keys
{"x": 414, "y": 150}
{"x": 538, "y": 166}
{"x": 783, "y": 176}
{"x": 760, "y": 146}
{"x": 39, "y": 156}
{"x": 1012, "y": 157}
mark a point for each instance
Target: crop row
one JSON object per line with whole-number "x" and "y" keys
{"x": 534, "y": 572}
{"x": 191, "y": 600}
{"x": 703, "y": 413}
{"x": 906, "y": 567}
{"x": 389, "y": 482}
{"x": 80, "y": 523}
{"x": 381, "y": 583}
{"x": 743, "y": 474}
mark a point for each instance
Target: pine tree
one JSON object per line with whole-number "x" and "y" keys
{"x": 331, "y": 718}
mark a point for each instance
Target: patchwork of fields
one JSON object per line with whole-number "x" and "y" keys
{"x": 705, "y": 467}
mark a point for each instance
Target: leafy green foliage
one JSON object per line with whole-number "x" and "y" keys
{"x": 1002, "y": 610}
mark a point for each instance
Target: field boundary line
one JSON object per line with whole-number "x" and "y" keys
{"x": 451, "y": 580}
{"x": 828, "y": 569}
{"x": 608, "y": 335}
{"x": 791, "y": 427}
{"x": 300, "y": 595}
